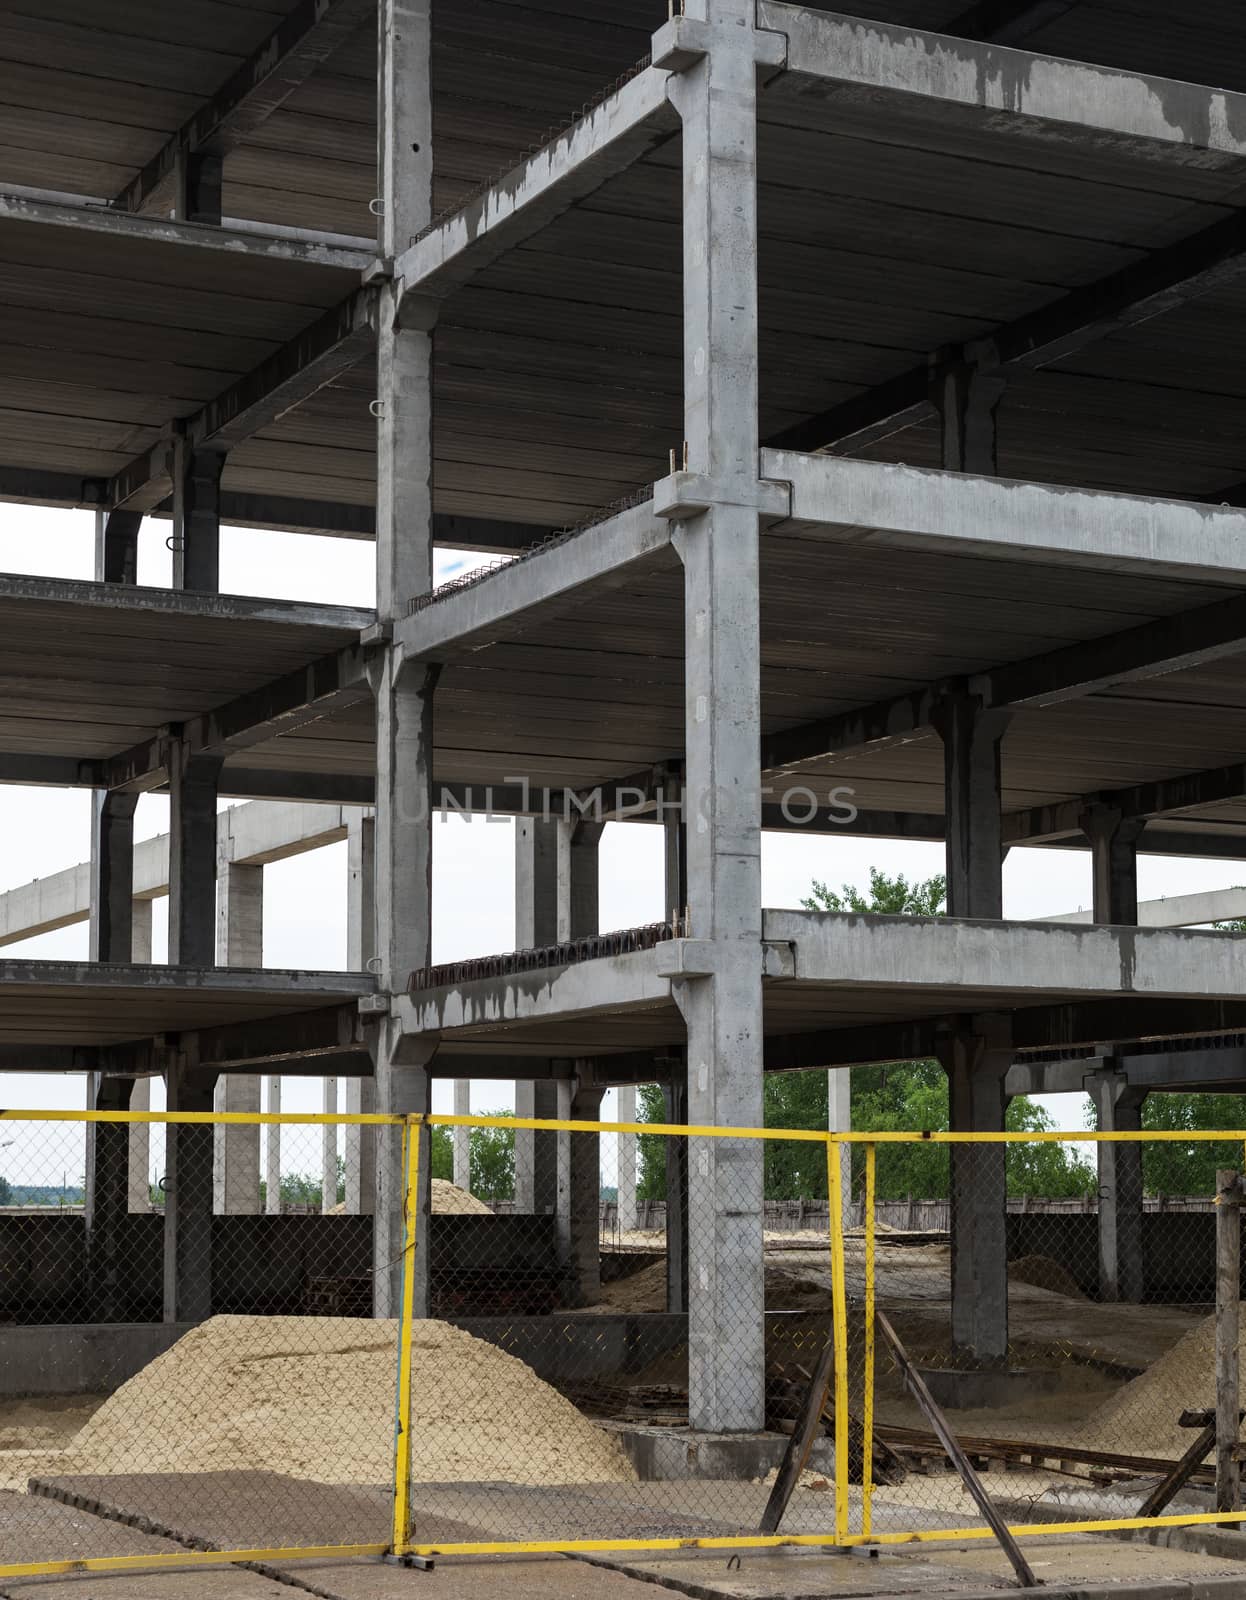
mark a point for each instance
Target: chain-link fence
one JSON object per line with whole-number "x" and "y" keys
{"x": 623, "y": 1338}
{"x": 1060, "y": 1322}
{"x": 188, "y": 1357}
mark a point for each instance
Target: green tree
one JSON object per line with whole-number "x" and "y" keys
{"x": 6, "y": 1192}
{"x": 1178, "y": 1167}
{"x": 888, "y": 897}
{"x": 650, "y": 1147}
{"x": 493, "y": 1161}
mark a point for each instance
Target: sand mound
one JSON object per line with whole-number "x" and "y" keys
{"x": 314, "y": 1397}
{"x": 1141, "y": 1418}
{"x": 450, "y": 1200}
{"x": 1041, "y": 1272}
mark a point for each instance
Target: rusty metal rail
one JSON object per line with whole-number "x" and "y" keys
{"x": 625, "y": 941}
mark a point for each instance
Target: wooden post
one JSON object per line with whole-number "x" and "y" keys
{"x": 1228, "y": 1303}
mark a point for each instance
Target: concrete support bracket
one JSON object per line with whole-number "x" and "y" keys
{"x": 682, "y": 495}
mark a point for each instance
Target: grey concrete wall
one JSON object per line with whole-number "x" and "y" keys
{"x": 80, "y": 1360}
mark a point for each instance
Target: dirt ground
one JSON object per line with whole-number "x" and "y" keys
{"x": 45, "y": 1422}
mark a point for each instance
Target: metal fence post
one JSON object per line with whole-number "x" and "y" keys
{"x": 839, "y": 1301}
{"x": 867, "y": 1396}
{"x": 402, "y": 1432}
{"x": 1228, "y": 1313}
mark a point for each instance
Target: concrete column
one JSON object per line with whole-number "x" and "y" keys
{"x": 140, "y": 1142}
{"x": 360, "y": 1149}
{"x": 579, "y": 1196}
{"x": 197, "y": 519}
{"x": 197, "y": 195}
{"x": 536, "y": 883}
{"x": 360, "y": 948}
{"x": 404, "y": 692}
{"x": 116, "y": 546}
{"x": 239, "y": 943}
{"x": 328, "y": 1148}
{"x": 188, "y": 1200}
{"x": 1114, "y": 859}
{"x": 463, "y": 1136}
{"x": 717, "y": 100}
{"x": 675, "y": 1098}
{"x": 578, "y": 879}
{"x": 839, "y": 1120}
{"x": 1118, "y": 1109}
{"x": 107, "y": 1197}
{"x": 971, "y": 761}
{"x": 536, "y": 1155}
{"x": 236, "y": 1148}
{"x": 625, "y": 1161}
{"x": 112, "y": 877}
{"x": 272, "y": 1153}
{"x": 976, "y": 1064}
{"x": 675, "y": 843}
{"x": 968, "y": 401}
{"x": 192, "y": 858}
{"x": 140, "y": 932}
{"x": 537, "y": 917}
{"x": 239, "y": 913}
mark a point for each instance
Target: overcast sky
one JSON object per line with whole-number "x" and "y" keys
{"x": 46, "y": 830}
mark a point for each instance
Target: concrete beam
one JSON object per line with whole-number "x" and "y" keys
{"x": 916, "y": 508}
{"x": 332, "y": 345}
{"x": 1029, "y": 521}
{"x": 1186, "y": 792}
{"x": 284, "y": 513}
{"x": 1013, "y": 93}
{"x": 1184, "y": 1068}
{"x": 283, "y": 706}
{"x": 251, "y": 835}
{"x": 550, "y": 582}
{"x": 1165, "y": 280}
{"x": 1021, "y": 959}
{"x": 84, "y": 216}
{"x": 612, "y": 136}
{"x": 177, "y": 602}
{"x": 608, "y": 984}
{"x": 302, "y": 41}
{"x": 311, "y": 360}
{"x": 1177, "y": 911}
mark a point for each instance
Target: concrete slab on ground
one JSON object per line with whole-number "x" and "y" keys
{"x": 1080, "y": 1566}
{"x": 470, "y": 1578}
{"x": 232, "y": 1510}
{"x": 217, "y": 1583}
{"x": 40, "y": 1530}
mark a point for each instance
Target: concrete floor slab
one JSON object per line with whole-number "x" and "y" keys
{"x": 41, "y": 1530}
{"x": 1081, "y": 1566}
{"x": 472, "y": 1578}
{"x": 234, "y": 1510}
{"x": 217, "y": 1583}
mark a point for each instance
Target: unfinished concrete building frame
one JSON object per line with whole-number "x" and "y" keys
{"x": 820, "y": 372}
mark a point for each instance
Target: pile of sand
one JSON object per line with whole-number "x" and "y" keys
{"x": 1141, "y": 1418}
{"x": 646, "y": 1291}
{"x": 448, "y": 1200}
{"x": 313, "y": 1397}
{"x": 1041, "y": 1272}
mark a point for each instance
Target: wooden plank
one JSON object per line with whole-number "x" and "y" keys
{"x": 808, "y": 1424}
